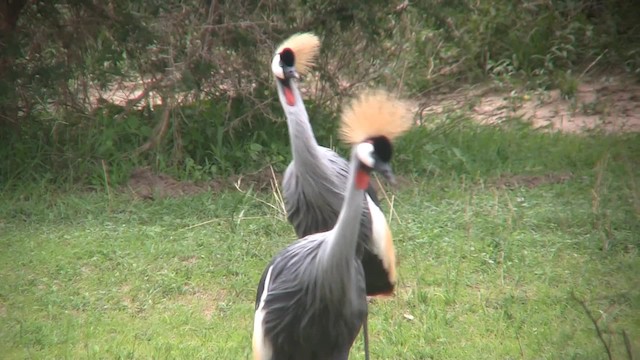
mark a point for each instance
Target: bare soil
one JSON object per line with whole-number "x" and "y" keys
{"x": 146, "y": 184}
{"x": 511, "y": 181}
{"x": 609, "y": 103}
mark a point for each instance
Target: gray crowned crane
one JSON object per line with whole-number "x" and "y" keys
{"x": 315, "y": 181}
{"x": 311, "y": 300}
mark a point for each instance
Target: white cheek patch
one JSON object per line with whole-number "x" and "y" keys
{"x": 364, "y": 153}
{"x": 276, "y": 68}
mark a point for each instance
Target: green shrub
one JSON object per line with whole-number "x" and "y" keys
{"x": 210, "y": 61}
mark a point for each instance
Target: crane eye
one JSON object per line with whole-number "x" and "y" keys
{"x": 364, "y": 153}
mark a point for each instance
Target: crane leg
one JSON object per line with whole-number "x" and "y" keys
{"x": 365, "y": 335}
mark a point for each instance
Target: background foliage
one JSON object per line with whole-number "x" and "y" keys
{"x": 207, "y": 62}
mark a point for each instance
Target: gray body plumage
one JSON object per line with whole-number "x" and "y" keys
{"x": 316, "y": 300}
{"x": 313, "y": 188}
{"x": 313, "y": 194}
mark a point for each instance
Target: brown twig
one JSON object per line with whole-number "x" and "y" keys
{"x": 592, "y": 64}
{"x": 160, "y": 130}
{"x": 627, "y": 345}
{"x": 106, "y": 179}
{"x": 595, "y": 324}
{"x": 391, "y": 202}
{"x": 276, "y": 192}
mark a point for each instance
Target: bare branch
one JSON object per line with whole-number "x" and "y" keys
{"x": 595, "y": 324}
{"x": 627, "y": 345}
{"x": 160, "y": 130}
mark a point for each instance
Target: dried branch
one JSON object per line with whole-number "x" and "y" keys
{"x": 161, "y": 128}
{"x": 133, "y": 102}
{"x": 627, "y": 345}
{"x": 595, "y": 324}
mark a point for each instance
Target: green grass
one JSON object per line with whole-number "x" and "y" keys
{"x": 484, "y": 272}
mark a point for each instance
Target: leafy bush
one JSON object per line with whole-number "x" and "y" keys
{"x": 449, "y": 41}
{"x": 208, "y": 64}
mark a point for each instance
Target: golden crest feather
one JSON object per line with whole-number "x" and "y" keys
{"x": 305, "y": 47}
{"x": 375, "y": 113}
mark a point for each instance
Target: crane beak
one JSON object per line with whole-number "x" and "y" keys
{"x": 385, "y": 170}
{"x": 290, "y": 72}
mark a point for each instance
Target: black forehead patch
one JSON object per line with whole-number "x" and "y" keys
{"x": 382, "y": 148}
{"x": 287, "y": 58}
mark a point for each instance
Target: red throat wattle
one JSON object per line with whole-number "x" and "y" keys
{"x": 288, "y": 95}
{"x": 362, "y": 179}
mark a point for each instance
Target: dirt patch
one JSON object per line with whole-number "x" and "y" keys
{"x": 510, "y": 181}
{"x": 208, "y": 302}
{"x": 190, "y": 260}
{"x": 144, "y": 183}
{"x": 265, "y": 179}
{"x": 128, "y": 301}
{"x": 608, "y": 103}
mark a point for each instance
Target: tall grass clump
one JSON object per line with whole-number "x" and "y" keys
{"x": 465, "y": 148}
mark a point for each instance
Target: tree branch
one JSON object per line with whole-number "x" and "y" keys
{"x": 160, "y": 130}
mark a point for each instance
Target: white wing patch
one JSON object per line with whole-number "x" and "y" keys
{"x": 381, "y": 238}
{"x": 262, "y": 349}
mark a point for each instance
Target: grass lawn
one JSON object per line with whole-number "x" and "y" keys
{"x": 486, "y": 271}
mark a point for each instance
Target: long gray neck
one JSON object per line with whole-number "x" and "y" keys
{"x": 304, "y": 147}
{"x": 339, "y": 250}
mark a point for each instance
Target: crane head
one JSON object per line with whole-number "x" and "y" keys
{"x": 370, "y": 123}
{"x": 283, "y": 67}
{"x": 374, "y": 154}
{"x": 374, "y": 114}
{"x": 294, "y": 57}
{"x": 305, "y": 47}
